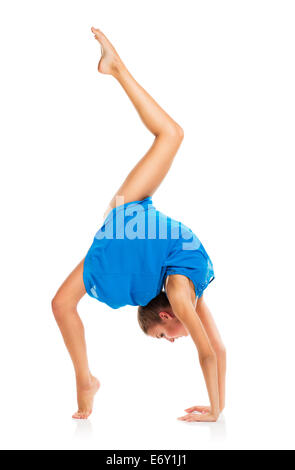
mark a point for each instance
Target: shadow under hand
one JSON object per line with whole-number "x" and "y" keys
{"x": 218, "y": 429}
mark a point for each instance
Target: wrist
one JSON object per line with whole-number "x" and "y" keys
{"x": 215, "y": 413}
{"x": 221, "y": 406}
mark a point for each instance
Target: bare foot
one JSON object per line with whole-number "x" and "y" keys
{"x": 85, "y": 398}
{"x": 110, "y": 61}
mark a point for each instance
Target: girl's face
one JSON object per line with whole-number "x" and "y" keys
{"x": 170, "y": 328}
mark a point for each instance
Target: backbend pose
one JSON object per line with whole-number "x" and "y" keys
{"x": 161, "y": 267}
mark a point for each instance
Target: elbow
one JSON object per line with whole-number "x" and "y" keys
{"x": 207, "y": 358}
{"x": 220, "y": 352}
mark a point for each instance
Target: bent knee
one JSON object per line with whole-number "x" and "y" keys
{"x": 180, "y": 132}
{"x": 56, "y": 305}
{"x": 60, "y": 305}
{"x": 175, "y": 131}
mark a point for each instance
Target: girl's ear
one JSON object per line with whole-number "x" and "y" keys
{"x": 165, "y": 315}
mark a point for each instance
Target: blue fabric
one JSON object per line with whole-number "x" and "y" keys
{"x": 134, "y": 251}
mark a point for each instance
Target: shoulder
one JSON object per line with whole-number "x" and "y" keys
{"x": 180, "y": 289}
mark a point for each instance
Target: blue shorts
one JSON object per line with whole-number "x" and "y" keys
{"x": 134, "y": 251}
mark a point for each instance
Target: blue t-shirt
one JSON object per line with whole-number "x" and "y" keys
{"x": 134, "y": 251}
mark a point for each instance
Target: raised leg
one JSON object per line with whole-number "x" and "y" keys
{"x": 149, "y": 172}
{"x": 64, "y": 307}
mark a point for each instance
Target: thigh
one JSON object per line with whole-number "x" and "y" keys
{"x": 72, "y": 289}
{"x": 147, "y": 175}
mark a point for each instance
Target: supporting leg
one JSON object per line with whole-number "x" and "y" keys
{"x": 64, "y": 307}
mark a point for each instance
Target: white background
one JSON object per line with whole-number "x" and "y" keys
{"x": 225, "y": 71}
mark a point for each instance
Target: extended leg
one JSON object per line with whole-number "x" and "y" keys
{"x": 148, "y": 174}
{"x": 64, "y": 306}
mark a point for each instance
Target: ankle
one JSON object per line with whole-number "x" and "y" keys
{"x": 84, "y": 381}
{"x": 118, "y": 69}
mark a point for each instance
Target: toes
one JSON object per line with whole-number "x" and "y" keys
{"x": 78, "y": 416}
{"x": 82, "y": 414}
{"x": 96, "y": 31}
{"x": 98, "y": 34}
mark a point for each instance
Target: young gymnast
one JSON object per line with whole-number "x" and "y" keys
{"x": 147, "y": 259}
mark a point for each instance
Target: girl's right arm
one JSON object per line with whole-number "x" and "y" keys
{"x": 179, "y": 295}
{"x": 217, "y": 344}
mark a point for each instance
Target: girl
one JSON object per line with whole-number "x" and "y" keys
{"x": 133, "y": 258}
